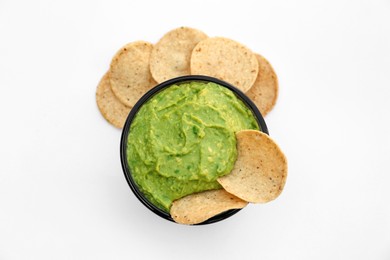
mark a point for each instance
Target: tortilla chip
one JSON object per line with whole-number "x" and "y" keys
{"x": 264, "y": 91}
{"x": 110, "y": 107}
{"x": 260, "y": 171}
{"x": 198, "y": 207}
{"x": 227, "y": 60}
{"x": 171, "y": 55}
{"x": 130, "y": 76}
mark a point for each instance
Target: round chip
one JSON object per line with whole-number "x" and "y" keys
{"x": 198, "y": 207}
{"x": 260, "y": 171}
{"x": 130, "y": 76}
{"x": 171, "y": 55}
{"x": 264, "y": 91}
{"x": 110, "y": 107}
{"x": 227, "y": 60}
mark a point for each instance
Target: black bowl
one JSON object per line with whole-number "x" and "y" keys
{"x": 146, "y": 97}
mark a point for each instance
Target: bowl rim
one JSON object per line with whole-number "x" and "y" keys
{"x": 126, "y": 129}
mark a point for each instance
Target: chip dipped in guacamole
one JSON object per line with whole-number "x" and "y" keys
{"x": 183, "y": 138}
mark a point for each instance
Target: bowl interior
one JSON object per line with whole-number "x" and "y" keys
{"x": 123, "y": 145}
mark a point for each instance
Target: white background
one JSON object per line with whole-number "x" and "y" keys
{"x": 62, "y": 191}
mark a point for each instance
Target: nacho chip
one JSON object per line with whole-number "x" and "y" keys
{"x": 264, "y": 91}
{"x": 130, "y": 76}
{"x": 171, "y": 55}
{"x": 227, "y": 60}
{"x": 260, "y": 171}
{"x": 110, "y": 107}
{"x": 198, "y": 207}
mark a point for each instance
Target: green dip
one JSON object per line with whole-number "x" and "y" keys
{"x": 183, "y": 138}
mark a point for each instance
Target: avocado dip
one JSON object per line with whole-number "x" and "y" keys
{"x": 183, "y": 138}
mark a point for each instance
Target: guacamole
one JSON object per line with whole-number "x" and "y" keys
{"x": 183, "y": 138}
